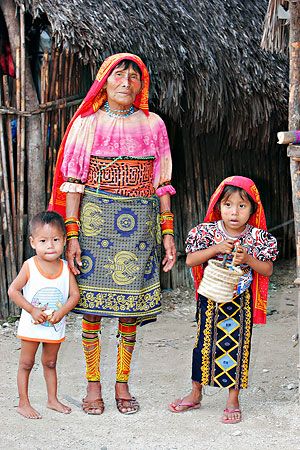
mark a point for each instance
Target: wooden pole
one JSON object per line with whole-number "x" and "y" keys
{"x": 294, "y": 124}
{"x": 21, "y": 181}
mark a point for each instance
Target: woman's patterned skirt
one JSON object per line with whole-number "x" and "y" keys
{"x": 120, "y": 241}
{"x": 222, "y": 349}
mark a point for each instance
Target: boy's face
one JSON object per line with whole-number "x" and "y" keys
{"x": 235, "y": 212}
{"x": 48, "y": 241}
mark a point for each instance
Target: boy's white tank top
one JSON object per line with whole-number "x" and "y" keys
{"x": 43, "y": 291}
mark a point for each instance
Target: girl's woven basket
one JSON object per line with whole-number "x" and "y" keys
{"x": 218, "y": 282}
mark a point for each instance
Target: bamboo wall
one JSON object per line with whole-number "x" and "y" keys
{"x": 199, "y": 163}
{"x": 63, "y": 83}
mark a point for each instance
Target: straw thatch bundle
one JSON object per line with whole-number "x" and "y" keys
{"x": 276, "y": 30}
{"x": 205, "y": 60}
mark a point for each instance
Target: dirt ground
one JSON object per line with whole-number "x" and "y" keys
{"x": 161, "y": 373}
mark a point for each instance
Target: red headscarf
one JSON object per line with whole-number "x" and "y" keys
{"x": 257, "y": 219}
{"x": 94, "y": 99}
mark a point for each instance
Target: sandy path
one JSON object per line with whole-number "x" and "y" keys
{"x": 160, "y": 373}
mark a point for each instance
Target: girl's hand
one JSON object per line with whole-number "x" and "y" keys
{"x": 73, "y": 252}
{"x": 240, "y": 256}
{"x": 225, "y": 247}
{"x": 170, "y": 249}
{"x": 38, "y": 315}
{"x": 56, "y": 317}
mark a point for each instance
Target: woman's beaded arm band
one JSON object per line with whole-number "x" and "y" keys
{"x": 72, "y": 228}
{"x": 167, "y": 223}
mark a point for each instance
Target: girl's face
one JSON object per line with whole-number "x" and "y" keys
{"x": 48, "y": 241}
{"x": 235, "y": 213}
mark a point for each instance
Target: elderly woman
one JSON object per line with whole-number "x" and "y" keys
{"x": 113, "y": 177}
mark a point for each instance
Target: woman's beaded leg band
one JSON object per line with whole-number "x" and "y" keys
{"x": 127, "y": 337}
{"x": 91, "y": 348}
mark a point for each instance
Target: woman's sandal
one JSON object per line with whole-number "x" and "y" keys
{"x": 123, "y": 405}
{"x": 93, "y": 407}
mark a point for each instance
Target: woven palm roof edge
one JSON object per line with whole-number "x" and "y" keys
{"x": 275, "y": 36}
{"x": 205, "y": 60}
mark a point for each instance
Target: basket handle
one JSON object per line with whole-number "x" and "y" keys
{"x": 234, "y": 254}
{"x": 225, "y": 257}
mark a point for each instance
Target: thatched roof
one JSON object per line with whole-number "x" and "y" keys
{"x": 206, "y": 64}
{"x": 276, "y": 27}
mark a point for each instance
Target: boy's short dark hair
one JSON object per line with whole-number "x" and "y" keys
{"x": 47, "y": 217}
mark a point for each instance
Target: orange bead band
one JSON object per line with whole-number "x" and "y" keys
{"x": 72, "y": 220}
{"x": 72, "y": 229}
{"x": 167, "y": 223}
{"x": 72, "y": 237}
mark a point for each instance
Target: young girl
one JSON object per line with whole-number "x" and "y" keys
{"x": 235, "y": 222}
{"x": 49, "y": 293}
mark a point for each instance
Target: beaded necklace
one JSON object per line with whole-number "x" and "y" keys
{"x": 116, "y": 112}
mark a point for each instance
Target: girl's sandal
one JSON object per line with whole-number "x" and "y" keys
{"x": 228, "y": 411}
{"x": 127, "y": 406}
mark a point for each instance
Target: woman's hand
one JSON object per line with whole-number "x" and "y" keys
{"x": 170, "y": 249}
{"x": 73, "y": 253}
{"x": 38, "y": 315}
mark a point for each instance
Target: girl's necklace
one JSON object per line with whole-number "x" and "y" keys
{"x": 116, "y": 112}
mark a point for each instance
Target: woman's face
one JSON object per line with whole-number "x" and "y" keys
{"x": 122, "y": 87}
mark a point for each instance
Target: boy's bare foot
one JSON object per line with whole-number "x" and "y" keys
{"x": 28, "y": 411}
{"x": 58, "y": 406}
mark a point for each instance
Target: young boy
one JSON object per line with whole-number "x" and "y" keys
{"x": 46, "y": 291}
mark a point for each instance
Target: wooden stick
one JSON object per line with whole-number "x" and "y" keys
{"x": 10, "y": 159}
{"x": 54, "y": 71}
{"x": 43, "y": 107}
{"x": 5, "y": 198}
{"x": 18, "y": 106}
{"x": 43, "y": 89}
{"x": 70, "y": 74}
{"x": 288, "y": 137}
{"x": 4, "y": 310}
{"x": 64, "y": 94}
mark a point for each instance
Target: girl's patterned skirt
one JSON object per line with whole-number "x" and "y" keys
{"x": 222, "y": 348}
